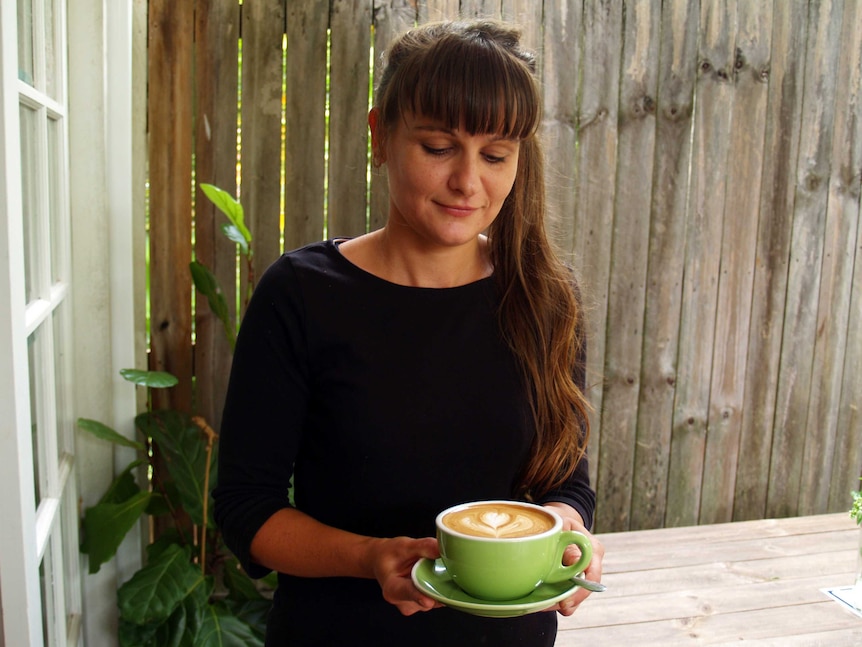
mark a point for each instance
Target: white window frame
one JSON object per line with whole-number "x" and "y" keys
{"x": 44, "y": 536}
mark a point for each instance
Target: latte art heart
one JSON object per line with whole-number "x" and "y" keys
{"x": 499, "y": 521}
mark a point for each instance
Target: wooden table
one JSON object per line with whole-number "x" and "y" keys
{"x": 756, "y": 582}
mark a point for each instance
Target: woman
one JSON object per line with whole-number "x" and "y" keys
{"x": 412, "y": 368}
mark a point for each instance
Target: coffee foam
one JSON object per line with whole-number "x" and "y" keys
{"x": 498, "y": 520}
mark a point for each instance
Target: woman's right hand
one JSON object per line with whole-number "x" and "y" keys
{"x": 393, "y": 560}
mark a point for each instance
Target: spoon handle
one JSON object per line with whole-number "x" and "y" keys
{"x": 589, "y": 585}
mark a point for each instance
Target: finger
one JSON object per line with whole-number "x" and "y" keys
{"x": 427, "y": 547}
{"x": 419, "y": 604}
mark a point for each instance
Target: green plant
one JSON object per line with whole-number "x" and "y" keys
{"x": 191, "y": 592}
{"x": 856, "y": 507}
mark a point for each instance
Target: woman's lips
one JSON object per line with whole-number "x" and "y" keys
{"x": 457, "y": 209}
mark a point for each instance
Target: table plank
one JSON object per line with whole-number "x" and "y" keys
{"x": 756, "y": 581}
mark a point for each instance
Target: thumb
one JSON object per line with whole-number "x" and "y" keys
{"x": 428, "y": 548}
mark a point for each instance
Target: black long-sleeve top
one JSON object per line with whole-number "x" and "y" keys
{"x": 385, "y": 404}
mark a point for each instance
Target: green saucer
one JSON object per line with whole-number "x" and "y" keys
{"x": 431, "y": 578}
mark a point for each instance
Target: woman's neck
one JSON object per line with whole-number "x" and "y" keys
{"x": 404, "y": 261}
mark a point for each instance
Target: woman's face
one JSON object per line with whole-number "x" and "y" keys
{"x": 445, "y": 186}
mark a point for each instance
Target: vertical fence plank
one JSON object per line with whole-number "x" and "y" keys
{"x": 658, "y": 378}
{"x": 705, "y": 210}
{"x": 597, "y": 159}
{"x": 527, "y": 15}
{"x": 216, "y": 69}
{"x": 305, "y": 122}
{"x": 783, "y": 124}
{"x": 847, "y": 465}
{"x": 744, "y": 167}
{"x": 842, "y": 217}
{"x": 348, "y": 117}
{"x": 628, "y": 271}
{"x": 806, "y": 254}
{"x": 436, "y": 10}
{"x": 391, "y": 17}
{"x": 561, "y": 63}
{"x": 170, "y": 142}
{"x": 480, "y": 8}
{"x": 262, "y": 78}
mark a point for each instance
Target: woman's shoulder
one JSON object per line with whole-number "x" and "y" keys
{"x": 313, "y": 258}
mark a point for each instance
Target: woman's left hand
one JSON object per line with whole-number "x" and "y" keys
{"x": 572, "y": 521}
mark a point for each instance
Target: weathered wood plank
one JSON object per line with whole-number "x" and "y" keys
{"x": 262, "y": 82}
{"x": 527, "y": 15}
{"x": 632, "y": 608}
{"x": 628, "y": 269}
{"x": 783, "y": 124}
{"x": 436, "y": 10}
{"x": 216, "y": 44}
{"x": 806, "y": 256}
{"x": 848, "y": 450}
{"x": 305, "y": 119}
{"x": 658, "y": 378}
{"x": 840, "y": 251}
{"x": 480, "y": 8}
{"x": 350, "y": 26}
{"x": 704, "y": 216}
{"x": 774, "y": 626}
{"x": 170, "y": 144}
{"x": 597, "y": 160}
{"x": 744, "y": 167}
{"x": 561, "y": 64}
{"x": 391, "y": 17}
{"x": 719, "y": 583}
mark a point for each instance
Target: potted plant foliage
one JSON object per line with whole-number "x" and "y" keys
{"x": 191, "y": 592}
{"x": 856, "y": 514}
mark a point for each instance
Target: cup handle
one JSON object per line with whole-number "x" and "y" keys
{"x": 560, "y": 573}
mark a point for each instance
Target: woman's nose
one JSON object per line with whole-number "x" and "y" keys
{"x": 465, "y": 176}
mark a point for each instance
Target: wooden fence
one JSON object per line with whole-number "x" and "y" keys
{"x": 704, "y": 173}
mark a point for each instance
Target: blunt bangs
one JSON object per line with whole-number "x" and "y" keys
{"x": 466, "y": 79}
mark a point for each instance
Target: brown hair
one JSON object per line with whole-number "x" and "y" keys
{"x": 477, "y": 75}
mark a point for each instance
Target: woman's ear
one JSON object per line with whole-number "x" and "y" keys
{"x": 378, "y": 154}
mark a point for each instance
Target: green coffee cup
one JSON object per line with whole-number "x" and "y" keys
{"x": 502, "y": 550}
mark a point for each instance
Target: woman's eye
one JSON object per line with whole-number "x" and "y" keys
{"x": 495, "y": 159}
{"x": 434, "y": 151}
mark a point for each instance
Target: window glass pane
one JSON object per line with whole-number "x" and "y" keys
{"x": 29, "y": 125}
{"x": 65, "y": 428}
{"x": 52, "y": 88}
{"x": 34, "y": 357}
{"x": 71, "y": 556}
{"x": 25, "y": 41}
{"x": 55, "y": 204}
{"x": 51, "y": 584}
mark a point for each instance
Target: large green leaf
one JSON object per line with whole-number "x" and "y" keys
{"x": 106, "y": 524}
{"x": 229, "y": 207}
{"x": 124, "y": 486}
{"x": 254, "y": 613}
{"x": 104, "y": 432}
{"x": 149, "y": 379}
{"x": 131, "y": 635}
{"x": 235, "y": 235}
{"x": 207, "y": 284}
{"x": 172, "y": 632}
{"x": 221, "y": 628}
{"x": 182, "y": 446}
{"x": 155, "y": 591}
{"x": 240, "y": 586}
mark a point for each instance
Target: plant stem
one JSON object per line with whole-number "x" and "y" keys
{"x": 211, "y": 436}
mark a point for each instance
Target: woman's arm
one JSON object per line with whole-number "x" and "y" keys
{"x": 292, "y": 542}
